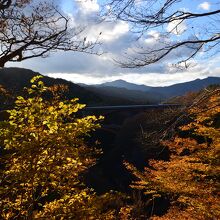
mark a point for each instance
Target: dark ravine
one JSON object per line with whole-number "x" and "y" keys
{"x": 127, "y": 143}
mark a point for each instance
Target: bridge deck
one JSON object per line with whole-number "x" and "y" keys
{"x": 131, "y": 107}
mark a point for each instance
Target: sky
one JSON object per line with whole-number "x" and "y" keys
{"x": 117, "y": 39}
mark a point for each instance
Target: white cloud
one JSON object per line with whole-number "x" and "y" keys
{"x": 88, "y": 6}
{"x": 118, "y": 30}
{"x": 94, "y": 70}
{"x": 86, "y": 15}
{"x": 153, "y": 78}
{"x": 152, "y": 37}
{"x": 205, "y": 6}
{"x": 108, "y": 7}
{"x": 110, "y": 31}
{"x": 74, "y": 77}
{"x": 138, "y": 2}
{"x": 150, "y": 79}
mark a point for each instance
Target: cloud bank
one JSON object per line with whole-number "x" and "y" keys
{"x": 116, "y": 39}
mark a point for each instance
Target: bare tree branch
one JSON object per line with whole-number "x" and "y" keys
{"x": 155, "y": 55}
{"x": 34, "y": 29}
{"x": 202, "y": 30}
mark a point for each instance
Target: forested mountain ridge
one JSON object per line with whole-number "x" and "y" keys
{"x": 159, "y": 93}
{"x": 15, "y": 79}
{"x": 118, "y": 92}
{"x": 134, "y": 96}
{"x": 124, "y": 84}
{"x": 182, "y": 88}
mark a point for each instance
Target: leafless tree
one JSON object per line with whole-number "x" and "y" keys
{"x": 180, "y": 29}
{"x": 30, "y": 28}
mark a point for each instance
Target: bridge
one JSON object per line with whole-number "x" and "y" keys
{"x": 116, "y": 115}
{"x": 131, "y": 109}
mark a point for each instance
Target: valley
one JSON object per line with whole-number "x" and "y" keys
{"x": 132, "y": 130}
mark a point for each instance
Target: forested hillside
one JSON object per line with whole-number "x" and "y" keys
{"x": 129, "y": 96}
{"x": 178, "y": 149}
{"x": 15, "y": 79}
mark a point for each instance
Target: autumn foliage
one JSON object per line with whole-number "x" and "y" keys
{"x": 190, "y": 178}
{"x": 44, "y": 158}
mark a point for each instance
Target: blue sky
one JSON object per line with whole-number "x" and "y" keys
{"x": 117, "y": 39}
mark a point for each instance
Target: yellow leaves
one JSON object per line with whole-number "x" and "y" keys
{"x": 125, "y": 213}
{"x": 50, "y": 109}
{"x": 58, "y": 88}
{"x": 49, "y": 153}
{"x": 54, "y": 184}
{"x": 61, "y": 104}
{"x": 20, "y": 100}
{"x": 37, "y": 86}
{"x": 36, "y": 78}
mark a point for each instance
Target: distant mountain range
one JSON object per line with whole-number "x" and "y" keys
{"x": 124, "y": 84}
{"x": 15, "y": 79}
{"x": 118, "y": 92}
{"x": 152, "y": 94}
{"x": 179, "y": 88}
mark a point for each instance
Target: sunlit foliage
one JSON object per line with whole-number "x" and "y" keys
{"x": 45, "y": 157}
{"x": 190, "y": 178}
